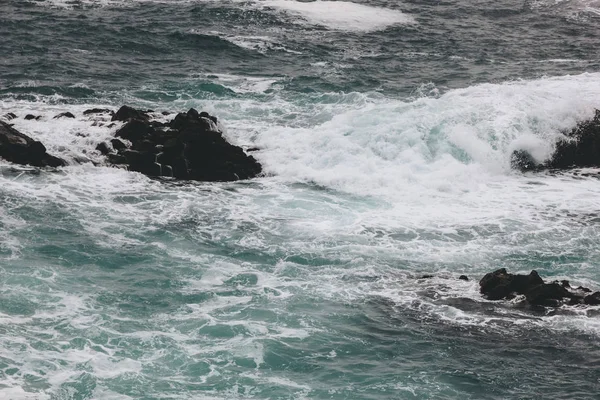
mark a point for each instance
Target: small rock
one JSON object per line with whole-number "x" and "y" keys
{"x": 9, "y": 116}
{"x": 463, "y": 278}
{"x": 98, "y": 111}
{"x": 64, "y": 115}
{"x": 103, "y": 148}
{"x": 29, "y": 117}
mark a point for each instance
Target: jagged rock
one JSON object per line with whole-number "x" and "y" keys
{"x": 21, "y": 149}
{"x": 546, "y": 294}
{"x": 118, "y": 145}
{"x": 127, "y": 113}
{"x": 190, "y": 146}
{"x": 64, "y": 115}
{"x": 580, "y": 147}
{"x": 9, "y": 116}
{"x": 135, "y": 130}
{"x": 500, "y": 284}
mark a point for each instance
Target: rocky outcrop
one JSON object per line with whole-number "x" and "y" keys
{"x": 190, "y": 146}
{"x": 500, "y": 285}
{"x": 579, "y": 148}
{"x": 19, "y": 148}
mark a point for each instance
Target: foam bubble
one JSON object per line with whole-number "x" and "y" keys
{"x": 342, "y": 15}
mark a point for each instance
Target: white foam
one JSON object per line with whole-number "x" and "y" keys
{"x": 342, "y": 15}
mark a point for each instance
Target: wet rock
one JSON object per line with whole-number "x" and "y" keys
{"x": 118, "y": 145}
{"x": 547, "y": 294}
{"x": 190, "y": 146}
{"x": 127, "y": 113}
{"x": 579, "y": 148}
{"x": 64, "y": 115}
{"x": 19, "y": 148}
{"x": 500, "y": 285}
{"x": 103, "y": 148}
{"x": 592, "y": 299}
{"x": 29, "y": 117}
{"x": 523, "y": 161}
{"x": 463, "y": 278}
{"x": 98, "y": 111}
{"x": 9, "y": 116}
{"x": 135, "y": 130}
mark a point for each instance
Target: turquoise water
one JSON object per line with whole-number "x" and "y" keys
{"x": 385, "y": 130}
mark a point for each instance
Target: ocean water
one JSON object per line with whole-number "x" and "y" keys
{"x": 385, "y": 130}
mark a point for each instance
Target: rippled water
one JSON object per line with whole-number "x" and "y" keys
{"x": 385, "y": 130}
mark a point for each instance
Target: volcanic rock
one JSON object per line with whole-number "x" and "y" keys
{"x": 64, "y": 115}
{"x": 190, "y": 146}
{"x": 579, "y": 148}
{"x": 19, "y": 148}
{"x": 500, "y": 285}
{"x": 127, "y": 113}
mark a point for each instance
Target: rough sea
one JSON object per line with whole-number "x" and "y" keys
{"x": 385, "y": 130}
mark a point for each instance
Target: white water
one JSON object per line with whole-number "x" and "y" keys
{"x": 425, "y": 180}
{"x": 342, "y": 15}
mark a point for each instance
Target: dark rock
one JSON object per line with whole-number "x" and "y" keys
{"x": 9, "y": 116}
{"x": 523, "y": 161}
{"x": 64, "y": 115}
{"x": 117, "y": 159}
{"x": 118, "y": 144}
{"x": 463, "y": 278}
{"x": 427, "y": 276}
{"x": 547, "y": 294}
{"x": 98, "y": 111}
{"x": 127, "y": 113}
{"x": 583, "y": 289}
{"x": 592, "y": 299}
{"x": 579, "y": 148}
{"x": 135, "y": 130}
{"x": 103, "y": 148}
{"x": 21, "y": 149}
{"x": 31, "y": 116}
{"x": 500, "y": 284}
{"x": 190, "y": 146}
{"x": 165, "y": 113}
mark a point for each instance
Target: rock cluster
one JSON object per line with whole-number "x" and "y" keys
{"x": 580, "y": 148}
{"x": 190, "y": 146}
{"x": 19, "y": 148}
{"x": 500, "y": 284}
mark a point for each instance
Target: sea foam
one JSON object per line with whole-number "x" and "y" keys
{"x": 342, "y": 15}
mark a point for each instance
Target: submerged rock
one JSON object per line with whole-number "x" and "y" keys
{"x": 500, "y": 285}
{"x": 19, "y": 148}
{"x": 190, "y": 146}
